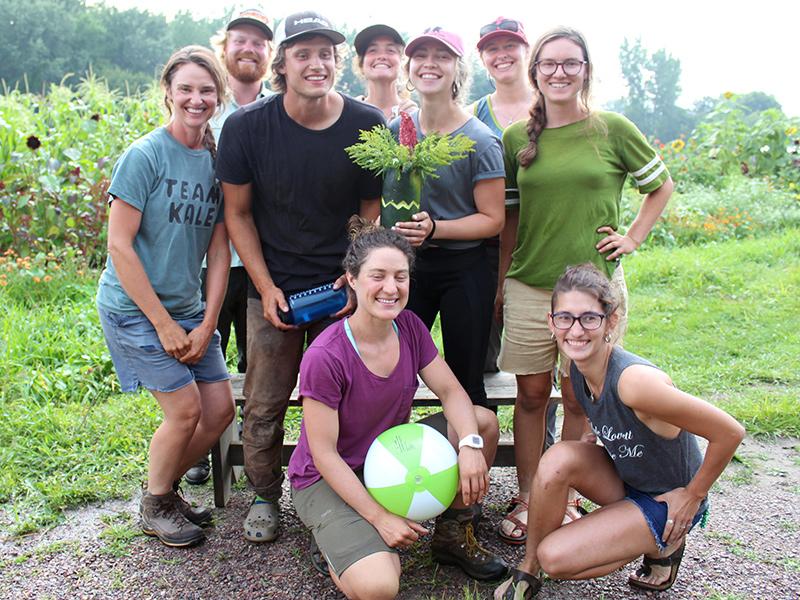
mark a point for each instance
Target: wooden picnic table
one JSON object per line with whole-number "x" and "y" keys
{"x": 227, "y": 456}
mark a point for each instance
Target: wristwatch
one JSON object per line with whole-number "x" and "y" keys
{"x": 473, "y": 440}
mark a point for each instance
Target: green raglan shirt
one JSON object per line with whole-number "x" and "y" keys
{"x": 573, "y": 186}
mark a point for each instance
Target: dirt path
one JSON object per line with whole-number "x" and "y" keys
{"x": 750, "y": 549}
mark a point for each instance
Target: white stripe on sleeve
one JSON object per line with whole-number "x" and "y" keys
{"x": 647, "y": 167}
{"x": 652, "y": 176}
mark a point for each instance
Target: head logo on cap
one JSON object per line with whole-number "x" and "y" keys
{"x": 307, "y": 22}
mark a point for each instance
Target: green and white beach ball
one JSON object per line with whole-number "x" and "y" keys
{"x": 412, "y": 471}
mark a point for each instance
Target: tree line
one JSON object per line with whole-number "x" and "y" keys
{"x": 53, "y": 41}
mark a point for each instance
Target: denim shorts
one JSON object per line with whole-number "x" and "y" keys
{"x": 140, "y": 359}
{"x": 655, "y": 513}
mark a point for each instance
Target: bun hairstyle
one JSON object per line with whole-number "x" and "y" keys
{"x": 538, "y": 111}
{"x": 590, "y": 280}
{"x": 366, "y": 236}
{"x": 202, "y": 57}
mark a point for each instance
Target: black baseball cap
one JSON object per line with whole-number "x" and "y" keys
{"x": 254, "y": 17}
{"x": 366, "y": 35}
{"x": 305, "y": 23}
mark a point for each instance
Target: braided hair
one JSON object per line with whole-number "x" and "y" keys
{"x": 202, "y": 57}
{"x": 538, "y": 112}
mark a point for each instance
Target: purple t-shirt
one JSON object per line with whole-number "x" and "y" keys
{"x": 333, "y": 373}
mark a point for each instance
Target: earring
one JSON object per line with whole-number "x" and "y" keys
{"x": 552, "y": 337}
{"x": 410, "y": 87}
{"x": 607, "y": 338}
{"x": 455, "y": 91}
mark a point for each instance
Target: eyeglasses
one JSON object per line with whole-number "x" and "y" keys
{"x": 549, "y": 67}
{"x": 588, "y": 320}
{"x": 507, "y": 25}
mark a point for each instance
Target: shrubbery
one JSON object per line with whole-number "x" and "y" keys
{"x": 56, "y": 154}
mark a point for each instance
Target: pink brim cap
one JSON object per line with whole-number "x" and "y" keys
{"x": 452, "y": 41}
{"x": 518, "y": 35}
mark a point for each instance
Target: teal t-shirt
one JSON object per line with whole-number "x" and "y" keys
{"x": 572, "y": 188}
{"x": 175, "y": 190}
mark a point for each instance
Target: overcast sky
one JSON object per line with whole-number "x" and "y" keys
{"x": 723, "y": 46}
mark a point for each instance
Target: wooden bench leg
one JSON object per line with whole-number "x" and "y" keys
{"x": 221, "y": 469}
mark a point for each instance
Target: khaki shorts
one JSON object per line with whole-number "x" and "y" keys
{"x": 527, "y": 347}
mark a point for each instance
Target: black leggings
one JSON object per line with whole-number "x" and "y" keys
{"x": 458, "y": 285}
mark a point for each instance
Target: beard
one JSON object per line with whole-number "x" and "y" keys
{"x": 245, "y": 72}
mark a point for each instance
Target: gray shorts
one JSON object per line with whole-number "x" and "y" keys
{"x": 342, "y": 535}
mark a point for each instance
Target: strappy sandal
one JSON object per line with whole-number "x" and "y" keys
{"x": 516, "y": 506}
{"x": 317, "y": 559}
{"x": 521, "y": 586}
{"x": 673, "y": 561}
{"x": 573, "y": 506}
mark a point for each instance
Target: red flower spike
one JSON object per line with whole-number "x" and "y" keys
{"x": 408, "y": 133}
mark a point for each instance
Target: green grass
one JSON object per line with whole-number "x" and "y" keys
{"x": 719, "y": 318}
{"x": 118, "y": 534}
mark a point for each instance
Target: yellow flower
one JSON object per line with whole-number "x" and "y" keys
{"x": 791, "y": 130}
{"x": 3, "y": 282}
{"x": 728, "y": 95}
{"x": 678, "y": 145}
{"x": 47, "y": 278}
{"x": 37, "y": 279}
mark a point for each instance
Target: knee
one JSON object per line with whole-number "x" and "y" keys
{"x": 380, "y": 586}
{"x": 555, "y": 466}
{"x": 533, "y": 397}
{"x": 488, "y": 426}
{"x": 554, "y": 559}
{"x": 187, "y": 414}
{"x": 568, "y": 399}
{"x": 224, "y": 413}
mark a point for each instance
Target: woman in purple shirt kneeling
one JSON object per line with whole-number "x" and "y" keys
{"x": 357, "y": 380}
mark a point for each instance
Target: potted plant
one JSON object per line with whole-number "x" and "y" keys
{"x": 405, "y": 163}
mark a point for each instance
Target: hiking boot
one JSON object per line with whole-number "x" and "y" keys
{"x": 199, "y": 473}
{"x": 197, "y": 515}
{"x": 454, "y": 543}
{"x": 261, "y": 524}
{"x": 160, "y": 518}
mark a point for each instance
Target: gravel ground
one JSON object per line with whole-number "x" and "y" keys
{"x": 750, "y": 549}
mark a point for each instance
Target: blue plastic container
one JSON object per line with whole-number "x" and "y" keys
{"x": 314, "y": 304}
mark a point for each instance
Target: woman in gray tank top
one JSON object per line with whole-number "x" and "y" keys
{"x": 649, "y": 475}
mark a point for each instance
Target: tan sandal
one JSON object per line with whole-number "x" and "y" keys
{"x": 517, "y": 506}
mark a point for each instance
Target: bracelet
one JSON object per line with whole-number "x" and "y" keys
{"x": 433, "y": 230}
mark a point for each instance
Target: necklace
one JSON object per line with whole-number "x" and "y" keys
{"x": 592, "y": 397}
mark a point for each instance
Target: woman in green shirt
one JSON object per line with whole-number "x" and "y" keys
{"x": 566, "y": 166}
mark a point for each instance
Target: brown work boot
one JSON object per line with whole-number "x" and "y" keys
{"x": 197, "y": 515}
{"x": 161, "y": 518}
{"x": 454, "y": 543}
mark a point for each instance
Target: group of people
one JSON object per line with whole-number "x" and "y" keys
{"x": 521, "y": 236}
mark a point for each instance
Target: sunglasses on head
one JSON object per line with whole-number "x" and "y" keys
{"x": 506, "y": 25}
